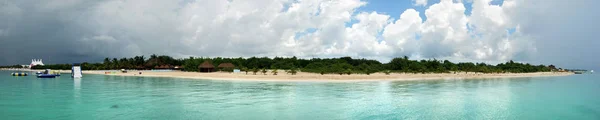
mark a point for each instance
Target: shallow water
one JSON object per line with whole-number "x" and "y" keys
{"x": 573, "y": 97}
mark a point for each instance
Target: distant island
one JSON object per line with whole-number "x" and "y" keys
{"x": 352, "y": 68}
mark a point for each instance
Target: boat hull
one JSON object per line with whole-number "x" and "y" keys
{"x": 46, "y": 76}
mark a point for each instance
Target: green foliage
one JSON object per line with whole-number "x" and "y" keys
{"x": 369, "y": 69}
{"x": 387, "y": 72}
{"x": 227, "y": 69}
{"x": 348, "y": 71}
{"x": 264, "y": 71}
{"x": 292, "y": 71}
{"x": 400, "y": 64}
{"x": 254, "y": 71}
{"x": 316, "y": 65}
{"x": 54, "y": 66}
{"x": 274, "y": 71}
{"x": 245, "y": 69}
{"x": 12, "y": 66}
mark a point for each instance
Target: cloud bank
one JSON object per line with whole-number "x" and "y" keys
{"x": 86, "y": 30}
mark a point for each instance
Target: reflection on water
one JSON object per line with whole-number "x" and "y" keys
{"x": 77, "y": 90}
{"x": 116, "y": 97}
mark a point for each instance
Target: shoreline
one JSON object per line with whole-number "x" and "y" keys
{"x": 304, "y": 76}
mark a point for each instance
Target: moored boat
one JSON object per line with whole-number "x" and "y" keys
{"x": 47, "y": 75}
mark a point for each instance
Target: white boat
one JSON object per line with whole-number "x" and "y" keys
{"x": 592, "y": 71}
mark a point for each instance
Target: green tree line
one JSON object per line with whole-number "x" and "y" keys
{"x": 342, "y": 65}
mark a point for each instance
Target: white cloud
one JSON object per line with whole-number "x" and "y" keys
{"x": 361, "y": 38}
{"x": 420, "y": 2}
{"x": 445, "y": 32}
{"x": 401, "y": 35}
{"x": 307, "y": 28}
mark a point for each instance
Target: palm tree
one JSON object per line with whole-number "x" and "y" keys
{"x": 264, "y": 71}
{"x": 245, "y": 69}
{"x": 254, "y": 70}
{"x": 387, "y": 72}
{"x": 274, "y": 72}
{"x": 292, "y": 71}
{"x": 106, "y": 61}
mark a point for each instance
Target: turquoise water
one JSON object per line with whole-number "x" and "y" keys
{"x": 573, "y": 97}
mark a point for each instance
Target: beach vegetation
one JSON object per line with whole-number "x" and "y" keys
{"x": 254, "y": 71}
{"x": 264, "y": 71}
{"x": 387, "y": 72}
{"x": 292, "y": 71}
{"x": 245, "y": 69}
{"x": 348, "y": 71}
{"x": 314, "y": 65}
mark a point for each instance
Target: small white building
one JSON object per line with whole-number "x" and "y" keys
{"x": 35, "y": 62}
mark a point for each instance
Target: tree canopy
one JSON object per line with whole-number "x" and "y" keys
{"x": 342, "y": 65}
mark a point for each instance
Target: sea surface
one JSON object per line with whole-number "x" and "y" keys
{"x": 575, "y": 97}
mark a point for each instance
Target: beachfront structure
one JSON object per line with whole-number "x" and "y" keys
{"x": 226, "y": 67}
{"x": 178, "y": 67}
{"x": 206, "y": 66}
{"x": 168, "y": 67}
{"x": 35, "y": 62}
{"x": 76, "y": 71}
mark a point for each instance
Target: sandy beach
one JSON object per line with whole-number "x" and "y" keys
{"x": 303, "y": 76}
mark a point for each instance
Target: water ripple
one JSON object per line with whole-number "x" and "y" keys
{"x": 116, "y": 97}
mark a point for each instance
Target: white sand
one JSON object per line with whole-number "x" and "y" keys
{"x": 303, "y": 76}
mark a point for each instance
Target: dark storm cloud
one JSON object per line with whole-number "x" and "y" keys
{"x": 32, "y": 32}
{"x": 58, "y": 32}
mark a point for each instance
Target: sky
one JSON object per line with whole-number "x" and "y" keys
{"x": 546, "y": 32}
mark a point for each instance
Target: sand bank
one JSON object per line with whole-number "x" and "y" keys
{"x": 303, "y": 76}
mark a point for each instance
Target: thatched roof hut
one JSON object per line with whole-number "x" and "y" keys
{"x": 164, "y": 67}
{"x": 226, "y": 65}
{"x": 206, "y": 66}
{"x": 140, "y": 67}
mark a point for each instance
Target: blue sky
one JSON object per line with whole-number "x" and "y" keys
{"x": 492, "y": 31}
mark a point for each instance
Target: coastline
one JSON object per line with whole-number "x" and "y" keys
{"x": 304, "y": 76}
